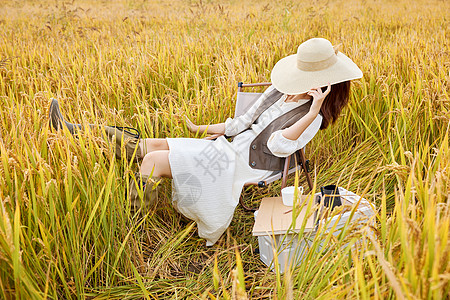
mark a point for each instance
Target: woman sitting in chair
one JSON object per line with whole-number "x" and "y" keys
{"x": 308, "y": 91}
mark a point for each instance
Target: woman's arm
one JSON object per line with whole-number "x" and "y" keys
{"x": 295, "y": 130}
{"x": 231, "y": 126}
{"x": 283, "y": 147}
{"x": 212, "y": 128}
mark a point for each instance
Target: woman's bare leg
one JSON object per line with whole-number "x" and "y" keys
{"x": 159, "y": 160}
{"x": 149, "y": 145}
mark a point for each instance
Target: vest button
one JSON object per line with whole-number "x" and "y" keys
{"x": 253, "y": 147}
{"x": 253, "y": 163}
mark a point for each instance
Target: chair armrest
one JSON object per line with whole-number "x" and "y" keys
{"x": 213, "y": 136}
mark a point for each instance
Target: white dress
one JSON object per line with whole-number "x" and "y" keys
{"x": 208, "y": 176}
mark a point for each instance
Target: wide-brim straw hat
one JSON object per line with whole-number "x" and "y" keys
{"x": 316, "y": 64}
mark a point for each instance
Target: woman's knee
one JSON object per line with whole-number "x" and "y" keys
{"x": 156, "y": 162}
{"x": 153, "y": 144}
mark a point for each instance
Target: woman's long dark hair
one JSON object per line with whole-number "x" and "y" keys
{"x": 334, "y": 102}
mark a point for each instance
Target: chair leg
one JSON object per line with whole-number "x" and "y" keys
{"x": 308, "y": 176}
{"x": 245, "y": 207}
{"x": 287, "y": 162}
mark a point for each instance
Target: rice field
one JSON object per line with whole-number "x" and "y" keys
{"x": 66, "y": 228}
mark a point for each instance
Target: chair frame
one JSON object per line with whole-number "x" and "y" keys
{"x": 301, "y": 162}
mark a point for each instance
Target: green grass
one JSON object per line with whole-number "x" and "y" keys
{"x": 66, "y": 229}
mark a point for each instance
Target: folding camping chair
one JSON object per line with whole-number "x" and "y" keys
{"x": 245, "y": 101}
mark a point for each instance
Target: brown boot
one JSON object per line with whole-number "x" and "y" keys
{"x": 143, "y": 191}
{"x": 56, "y": 118}
{"x": 130, "y": 141}
{"x": 111, "y": 133}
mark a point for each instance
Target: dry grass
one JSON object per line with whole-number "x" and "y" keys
{"x": 66, "y": 230}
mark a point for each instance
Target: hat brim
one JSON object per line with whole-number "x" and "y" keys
{"x": 288, "y": 79}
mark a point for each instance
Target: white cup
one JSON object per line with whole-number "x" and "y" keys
{"x": 287, "y": 194}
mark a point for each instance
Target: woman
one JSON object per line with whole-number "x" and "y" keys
{"x": 208, "y": 175}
